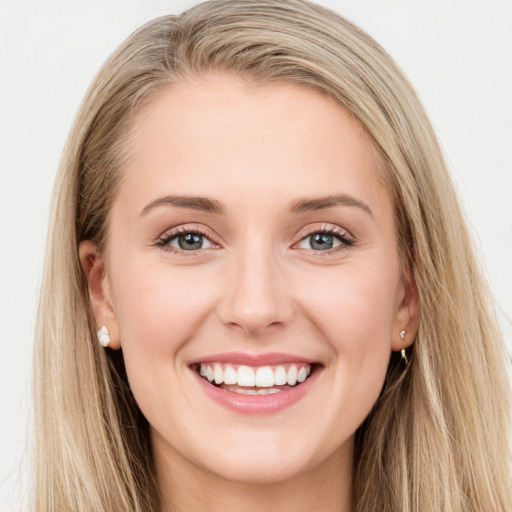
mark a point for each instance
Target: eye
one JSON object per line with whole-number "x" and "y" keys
{"x": 328, "y": 239}
{"x": 319, "y": 242}
{"x": 184, "y": 240}
{"x": 322, "y": 241}
{"x": 190, "y": 241}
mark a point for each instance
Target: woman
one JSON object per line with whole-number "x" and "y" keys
{"x": 254, "y": 218}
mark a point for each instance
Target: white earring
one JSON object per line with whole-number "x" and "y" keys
{"x": 104, "y": 336}
{"x": 402, "y": 352}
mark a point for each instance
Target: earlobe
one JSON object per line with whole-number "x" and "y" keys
{"x": 100, "y": 293}
{"x": 407, "y": 315}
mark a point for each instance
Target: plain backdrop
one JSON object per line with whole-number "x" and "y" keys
{"x": 457, "y": 53}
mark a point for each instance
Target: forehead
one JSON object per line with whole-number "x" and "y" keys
{"x": 226, "y": 136}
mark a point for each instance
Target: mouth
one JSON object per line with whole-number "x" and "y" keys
{"x": 255, "y": 380}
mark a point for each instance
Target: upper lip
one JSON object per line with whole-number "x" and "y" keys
{"x": 240, "y": 358}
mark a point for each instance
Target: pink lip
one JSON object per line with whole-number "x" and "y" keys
{"x": 255, "y": 404}
{"x": 272, "y": 358}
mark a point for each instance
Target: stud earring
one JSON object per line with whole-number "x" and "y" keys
{"x": 104, "y": 336}
{"x": 402, "y": 352}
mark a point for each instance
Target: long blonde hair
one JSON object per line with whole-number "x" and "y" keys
{"x": 437, "y": 439}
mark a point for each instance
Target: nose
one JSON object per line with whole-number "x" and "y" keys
{"x": 257, "y": 298}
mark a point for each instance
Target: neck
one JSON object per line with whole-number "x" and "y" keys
{"x": 185, "y": 486}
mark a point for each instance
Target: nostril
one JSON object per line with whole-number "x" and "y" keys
{"x": 254, "y": 327}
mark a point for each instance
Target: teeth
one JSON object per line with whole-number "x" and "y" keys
{"x": 261, "y": 377}
{"x": 280, "y": 376}
{"x": 242, "y": 391}
{"x": 264, "y": 377}
{"x": 230, "y": 375}
{"x": 246, "y": 376}
{"x": 291, "y": 375}
{"x": 218, "y": 373}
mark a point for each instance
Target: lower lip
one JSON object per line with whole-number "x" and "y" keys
{"x": 257, "y": 404}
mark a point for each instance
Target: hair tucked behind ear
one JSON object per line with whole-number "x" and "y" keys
{"x": 437, "y": 439}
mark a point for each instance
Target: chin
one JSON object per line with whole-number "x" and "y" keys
{"x": 267, "y": 457}
{"x": 268, "y": 469}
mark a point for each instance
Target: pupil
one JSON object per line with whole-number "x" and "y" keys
{"x": 190, "y": 241}
{"x": 321, "y": 241}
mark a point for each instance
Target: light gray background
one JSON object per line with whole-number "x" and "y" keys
{"x": 458, "y": 54}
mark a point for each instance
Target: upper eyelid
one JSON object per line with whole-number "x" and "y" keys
{"x": 323, "y": 228}
{"x": 304, "y": 232}
{"x": 192, "y": 228}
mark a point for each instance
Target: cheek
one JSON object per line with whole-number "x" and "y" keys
{"x": 354, "y": 310}
{"x": 159, "y": 309}
{"x": 155, "y": 303}
{"x": 354, "y": 307}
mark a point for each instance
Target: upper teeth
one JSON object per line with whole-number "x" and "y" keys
{"x": 261, "y": 376}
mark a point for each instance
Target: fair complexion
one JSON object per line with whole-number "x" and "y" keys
{"x": 252, "y": 228}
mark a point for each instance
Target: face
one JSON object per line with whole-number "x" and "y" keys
{"x": 252, "y": 278}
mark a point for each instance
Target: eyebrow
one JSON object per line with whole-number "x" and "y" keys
{"x": 203, "y": 204}
{"x": 321, "y": 203}
{"x": 206, "y": 204}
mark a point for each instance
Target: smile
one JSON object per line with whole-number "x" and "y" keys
{"x": 262, "y": 384}
{"x": 249, "y": 380}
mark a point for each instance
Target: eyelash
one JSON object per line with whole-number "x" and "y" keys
{"x": 164, "y": 240}
{"x": 345, "y": 238}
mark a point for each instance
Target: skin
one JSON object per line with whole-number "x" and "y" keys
{"x": 256, "y": 286}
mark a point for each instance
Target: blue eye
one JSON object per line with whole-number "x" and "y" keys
{"x": 185, "y": 241}
{"x": 325, "y": 241}
{"x": 322, "y": 241}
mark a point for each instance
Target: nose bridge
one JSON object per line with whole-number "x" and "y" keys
{"x": 256, "y": 296}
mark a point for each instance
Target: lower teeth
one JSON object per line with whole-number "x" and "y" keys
{"x": 254, "y": 391}
{"x": 243, "y": 391}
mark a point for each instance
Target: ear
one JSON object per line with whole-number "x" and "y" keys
{"x": 100, "y": 293}
{"x": 408, "y": 312}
